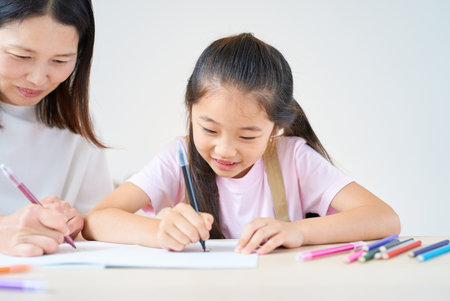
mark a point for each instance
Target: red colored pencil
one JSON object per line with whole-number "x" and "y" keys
{"x": 401, "y": 250}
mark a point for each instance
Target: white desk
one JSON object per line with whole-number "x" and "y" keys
{"x": 278, "y": 277}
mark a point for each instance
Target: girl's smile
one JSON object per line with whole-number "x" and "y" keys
{"x": 225, "y": 165}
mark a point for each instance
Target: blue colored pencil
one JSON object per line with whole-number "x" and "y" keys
{"x": 428, "y": 248}
{"x": 433, "y": 253}
{"x": 380, "y": 242}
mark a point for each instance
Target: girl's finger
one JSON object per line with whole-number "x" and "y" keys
{"x": 248, "y": 232}
{"x": 171, "y": 224}
{"x": 259, "y": 237}
{"x": 270, "y": 245}
{"x": 169, "y": 243}
{"x": 195, "y": 227}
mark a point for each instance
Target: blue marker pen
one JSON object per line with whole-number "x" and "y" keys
{"x": 188, "y": 182}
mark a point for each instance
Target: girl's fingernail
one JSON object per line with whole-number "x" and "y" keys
{"x": 246, "y": 251}
{"x": 237, "y": 249}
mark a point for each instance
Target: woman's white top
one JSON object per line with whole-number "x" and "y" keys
{"x": 49, "y": 161}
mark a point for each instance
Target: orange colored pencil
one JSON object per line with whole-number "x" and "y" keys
{"x": 401, "y": 250}
{"x": 15, "y": 268}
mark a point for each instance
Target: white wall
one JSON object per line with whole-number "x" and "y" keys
{"x": 372, "y": 76}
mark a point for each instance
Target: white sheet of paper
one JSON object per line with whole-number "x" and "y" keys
{"x": 220, "y": 256}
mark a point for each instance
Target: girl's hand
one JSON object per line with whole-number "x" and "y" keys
{"x": 266, "y": 234}
{"x": 182, "y": 225}
{"x": 32, "y": 231}
{"x": 75, "y": 220}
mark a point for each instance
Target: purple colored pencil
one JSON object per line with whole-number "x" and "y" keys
{"x": 22, "y": 284}
{"x": 30, "y": 196}
{"x": 428, "y": 248}
{"x": 379, "y": 243}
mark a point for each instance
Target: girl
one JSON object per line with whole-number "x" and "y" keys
{"x": 46, "y": 135}
{"x": 256, "y": 164}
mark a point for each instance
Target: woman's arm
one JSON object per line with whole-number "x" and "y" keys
{"x": 32, "y": 231}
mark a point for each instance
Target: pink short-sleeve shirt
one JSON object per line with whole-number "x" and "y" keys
{"x": 311, "y": 183}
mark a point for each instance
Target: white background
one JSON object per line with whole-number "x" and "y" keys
{"x": 372, "y": 76}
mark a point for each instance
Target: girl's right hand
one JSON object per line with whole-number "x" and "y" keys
{"x": 182, "y": 225}
{"x": 32, "y": 231}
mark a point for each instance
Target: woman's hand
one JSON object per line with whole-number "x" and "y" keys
{"x": 75, "y": 220}
{"x": 182, "y": 225}
{"x": 266, "y": 234}
{"x": 32, "y": 231}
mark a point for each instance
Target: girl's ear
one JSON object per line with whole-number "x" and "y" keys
{"x": 277, "y": 131}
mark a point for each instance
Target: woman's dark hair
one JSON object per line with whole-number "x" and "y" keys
{"x": 66, "y": 107}
{"x": 250, "y": 65}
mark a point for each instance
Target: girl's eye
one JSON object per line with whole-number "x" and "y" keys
{"x": 248, "y": 138}
{"x": 208, "y": 130}
{"x": 60, "y": 62}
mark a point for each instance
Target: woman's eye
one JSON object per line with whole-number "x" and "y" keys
{"x": 22, "y": 57}
{"x": 209, "y": 131}
{"x": 60, "y": 62}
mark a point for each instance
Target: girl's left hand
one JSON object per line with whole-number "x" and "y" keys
{"x": 75, "y": 220}
{"x": 266, "y": 234}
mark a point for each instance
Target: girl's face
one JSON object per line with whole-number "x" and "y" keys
{"x": 36, "y": 55}
{"x": 231, "y": 131}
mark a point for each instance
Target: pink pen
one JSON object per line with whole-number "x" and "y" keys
{"x": 313, "y": 254}
{"x": 10, "y": 175}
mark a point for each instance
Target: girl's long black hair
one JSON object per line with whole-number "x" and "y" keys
{"x": 250, "y": 65}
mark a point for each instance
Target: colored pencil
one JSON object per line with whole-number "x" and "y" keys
{"x": 22, "y": 284}
{"x": 366, "y": 256}
{"x": 30, "y": 196}
{"x": 393, "y": 246}
{"x": 380, "y": 242}
{"x": 433, "y": 253}
{"x": 322, "y": 252}
{"x": 428, "y": 248}
{"x": 393, "y": 243}
{"x": 15, "y": 268}
{"x": 354, "y": 256}
{"x": 401, "y": 249}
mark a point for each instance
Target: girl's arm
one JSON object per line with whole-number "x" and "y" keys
{"x": 362, "y": 216}
{"x": 113, "y": 220}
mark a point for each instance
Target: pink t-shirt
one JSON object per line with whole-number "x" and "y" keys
{"x": 311, "y": 183}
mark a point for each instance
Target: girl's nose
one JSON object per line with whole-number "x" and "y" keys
{"x": 225, "y": 149}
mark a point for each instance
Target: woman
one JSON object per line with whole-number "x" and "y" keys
{"x": 46, "y": 134}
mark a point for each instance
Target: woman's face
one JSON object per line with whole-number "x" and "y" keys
{"x": 36, "y": 55}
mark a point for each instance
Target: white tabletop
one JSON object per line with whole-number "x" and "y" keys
{"x": 278, "y": 277}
